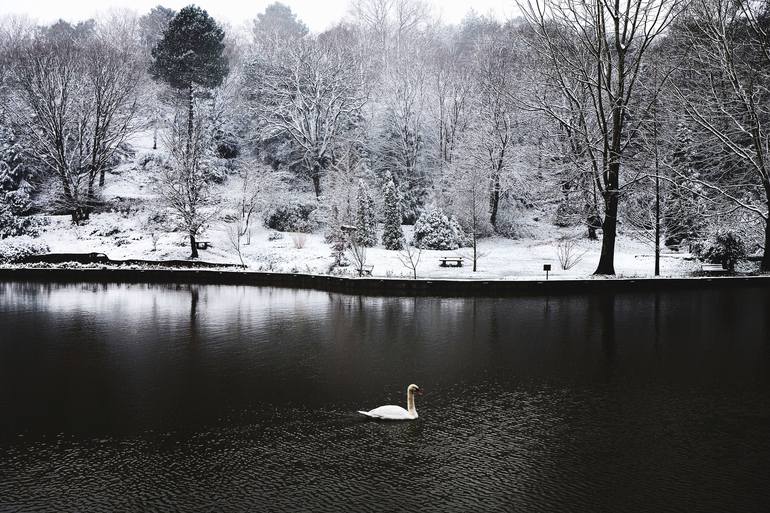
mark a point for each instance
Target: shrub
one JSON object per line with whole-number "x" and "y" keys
{"x": 569, "y": 254}
{"x": 20, "y": 247}
{"x": 567, "y": 214}
{"x": 152, "y": 160}
{"x": 13, "y": 222}
{"x": 724, "y": 247}
{"x": 434, "y": 230}
{"x": 295, "y": 217}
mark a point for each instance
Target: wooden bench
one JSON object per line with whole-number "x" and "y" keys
{"x": 451, "y": 261}
{"x": 203, "y": 244}
{"x": 713, "y": 269}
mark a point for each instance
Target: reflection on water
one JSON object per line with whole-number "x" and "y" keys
{"x": 201, "y": 398}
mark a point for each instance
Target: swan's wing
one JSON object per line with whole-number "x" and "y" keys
{"x": 390, "y": 412}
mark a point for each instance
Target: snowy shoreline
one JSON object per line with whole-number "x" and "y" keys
{"x": 369, "y": 286}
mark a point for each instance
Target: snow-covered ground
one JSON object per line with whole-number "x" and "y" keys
{"x": 125, "y": 233}
{"x": 124, "y": 236}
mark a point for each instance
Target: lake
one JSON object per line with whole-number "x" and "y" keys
{"x": 225, "y": 398}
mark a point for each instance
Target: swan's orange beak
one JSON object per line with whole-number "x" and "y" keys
{"x": 419, "y": 391}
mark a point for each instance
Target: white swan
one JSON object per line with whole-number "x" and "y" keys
{"x": 391, "y": 412}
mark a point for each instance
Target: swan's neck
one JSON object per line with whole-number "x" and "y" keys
{"x": 410, "y": 403}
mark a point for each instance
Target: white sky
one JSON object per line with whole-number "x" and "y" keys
{"x": 317, "y": 14}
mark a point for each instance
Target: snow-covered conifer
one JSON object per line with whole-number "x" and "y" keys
{"x": 392, "y": 236}
{"x": 366, "y": 221}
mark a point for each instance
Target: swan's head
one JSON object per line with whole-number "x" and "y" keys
{"x": 413, "y": 389}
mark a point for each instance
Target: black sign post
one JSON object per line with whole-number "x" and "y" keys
{"x": 546, "y": 268}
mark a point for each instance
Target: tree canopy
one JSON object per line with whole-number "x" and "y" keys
{"x": 191, "y": 51}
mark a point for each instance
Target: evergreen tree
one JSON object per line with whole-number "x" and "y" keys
{"x": 366, "y": 221}
{"x": 392, "y": 236}
{"x": 190, "y": 55}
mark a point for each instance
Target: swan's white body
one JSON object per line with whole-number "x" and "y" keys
{"x": 392, "y": 412}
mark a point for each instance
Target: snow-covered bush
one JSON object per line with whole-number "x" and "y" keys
{"x": 294, "y": 217}
{"x": 217, "y": 169}
{"x": 151, "y": 160}
{"x": 514, "y": 221}
{"x": 724, "y": 247}
{"x": 13, "y": 221}
{"x": 567, "y": 214}
{"x": 14, "y": 167}
{"x": 106, "y": 230}
{"x": 13, "y": 250}
{"x": 434, "y": 230}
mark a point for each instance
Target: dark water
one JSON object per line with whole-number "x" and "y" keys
{"x": 156, "y": 398}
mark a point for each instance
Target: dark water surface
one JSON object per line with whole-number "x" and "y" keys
{"x": 220, "y": 398}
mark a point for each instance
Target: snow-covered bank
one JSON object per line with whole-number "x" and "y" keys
{"x": 126, "y": 236}
{"x": 132, "y": 231}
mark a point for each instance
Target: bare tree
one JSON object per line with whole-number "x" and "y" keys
{"x": 409, "y": 257}
{"x": 235, "y": 236}
{"x": 257, "y": 188}
{"x": 568, "y": 254}
{"x": 183, "y": 186}
{"x": 594, "y": 51}
{"x": 357, "y": 254}
{"x": 468, "y": 184}
{"x": 75, "y": 102}
{"x": 498, "y": 71}
{"x": 453, "y": 87}
{"x": 114, "y": 72}
{"x": 314, "y": 98}
{"x": 393, "y": 24}
{"x": 730, "y": 100}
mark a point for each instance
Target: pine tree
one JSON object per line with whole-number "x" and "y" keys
{"x": 392, "y": 236}
{"x": 366, "y": 221}
{"x": 191, "y": 55}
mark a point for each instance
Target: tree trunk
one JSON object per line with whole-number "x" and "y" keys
{"x": 765, "y": 265}
{"x": 474, "y": 251}
{"x": 609, "y": 229}
{"x": 193, "y": 246}
{"x": 190, "y": 120}
{"x": 316, "y": 181}
{"x": 91, "y": 199}
{"x": 76, "y": 210}
{"x": 101, "y": 177}
{"x": 494, "y": 200}
{"x": 657, "y": 224}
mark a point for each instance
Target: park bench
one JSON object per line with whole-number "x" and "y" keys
{"x": 203, "y": 244}
{"x": 450, "y": 261}
{"x": 713, "y": 269}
